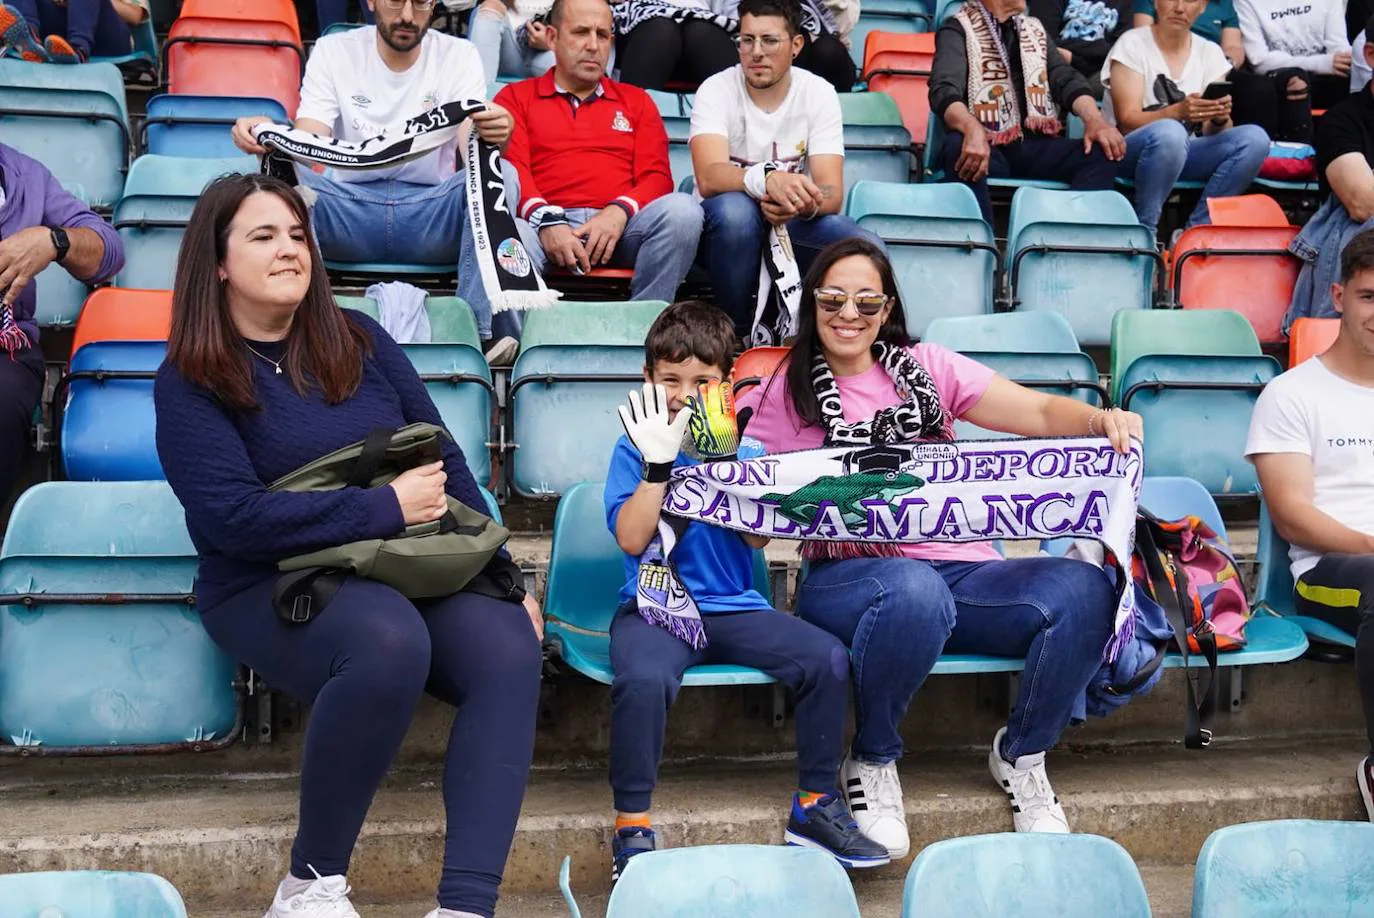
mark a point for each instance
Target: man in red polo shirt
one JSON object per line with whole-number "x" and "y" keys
{"x": 592, "y": 156}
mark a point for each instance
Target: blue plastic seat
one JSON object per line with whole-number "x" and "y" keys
{"x": 72, "y": 119}
{"x": 200, "y": 125}
{"x": 60, "y": 297}
{"x": 1286, "y": 869}
{"x": 943, "y": 254}
{"x": 877, "y": 153}
{"x": 1046, "y": 876}
{"x": 678, "y": 125}
{"x": 1275, "y": 587}
{"x": 107, "y": 673}
{"x": 89, "y": 894}
{"x": 144, "y": 52}
{"x": 1086, "y": 287}
{"x": 586, "y": 572}
{"x": 107, "y": 425}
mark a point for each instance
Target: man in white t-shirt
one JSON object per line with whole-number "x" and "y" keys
{"x": 767, "y": 148}
{"x": 373, "y": 79}
{"x": 1312, "y": 443}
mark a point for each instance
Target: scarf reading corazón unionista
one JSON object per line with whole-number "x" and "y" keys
{"x": 957, "y": 491}
{"x": 508, "y": 275}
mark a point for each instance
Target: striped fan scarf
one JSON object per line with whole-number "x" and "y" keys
{"x": 12, "y": 337}
{"x": 991, "y": 96}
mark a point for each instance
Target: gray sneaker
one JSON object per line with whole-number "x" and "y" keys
{"x": 500, "y": 352}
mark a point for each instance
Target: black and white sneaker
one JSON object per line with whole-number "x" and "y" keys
{"x": 874, "y": 795}
{"x": 828, "y": 826}
{"x": 1364, "y": 776}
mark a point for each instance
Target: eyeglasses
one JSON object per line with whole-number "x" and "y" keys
{"x": 421, "y": 6}
{"x": 766, "y": 43}
{"x": 867, "y": 302}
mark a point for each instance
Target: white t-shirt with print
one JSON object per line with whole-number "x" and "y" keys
{"x": 1312, "y": 411}
{"x": 1136, "y": 50}
{"x": 348, "y": 87}
{"x": 807, "y": 123}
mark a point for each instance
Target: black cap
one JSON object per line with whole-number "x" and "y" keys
{"x": 876, "y": 459}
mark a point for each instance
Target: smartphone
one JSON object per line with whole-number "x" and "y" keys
{"x": 1219, "y": 90}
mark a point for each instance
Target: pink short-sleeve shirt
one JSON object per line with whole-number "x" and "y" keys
{"x": 960, "y": 381}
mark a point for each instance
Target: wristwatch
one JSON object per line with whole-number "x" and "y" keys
{"x": 61, "y": 243}
{"x": 656, "y": 472}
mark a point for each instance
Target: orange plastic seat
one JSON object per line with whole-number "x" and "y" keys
{"x": 1310, "y": 337}
{"x": 756, "y": 365}
{"x": 1212, "y": 270}
{"x": 1246, "y": 210}
{"x": 905, "y": 50}
{"x": 899, "y": 64}
{"x": 124, "y": 314}
{"x": 227, "y": 57}
{"x": 282, "y": 11}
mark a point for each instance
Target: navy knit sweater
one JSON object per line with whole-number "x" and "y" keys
{"x": 219, "y": 463}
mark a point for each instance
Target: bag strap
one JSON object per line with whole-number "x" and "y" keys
{"x": 370, "y": 459}
{"x": 1198, "y": 729}
{"x": 300, "y": 596}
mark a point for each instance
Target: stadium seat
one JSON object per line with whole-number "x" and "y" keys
{"x": 586, "y": 572}
{"x": 1082, "y": 254}
{"x": 755, "y": 365}
{"x": 1194, "y": 377}
{"x": 103, "y": 412}
{"x": 886, "y": 19}
{"x": 577, "y": 361}
{"x": 143, "y": 53}
{"x": 1048, "y": 876}
{"x": 158, "y": 200}
{"x": 455, "y": 373}
{"x": 733, "y": 881}
{"x": 944, "y": 256}
{"x": 123, "y": 314}
{"x": 255, "y": 11}
{"x": 105, "y": 653}
{"x": 1287, "y": 867}
{"x": 199, "y": 125}
{"x": 89, "y": 894}
{"x": 1309, "y": 337}
{"x": 74, "y": 120}
{"x": 877, "y": 147}
{"x": 1247, "y": 269}
{"x": 943, "y": 10}
{"x": 678, "y": 125}
{"x": 1257, "y": 210}
{"x": 233, "y": 57}
{"x": 59, "y": 297}
{"x": 899, "y": 65}
{"x": 1274, "y": 588}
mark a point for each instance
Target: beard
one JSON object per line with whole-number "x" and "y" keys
{"x": 388, "y": 34}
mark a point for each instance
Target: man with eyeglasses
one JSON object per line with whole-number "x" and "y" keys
{"x": 768, "y": 150}
{"x": 373, "y": 79}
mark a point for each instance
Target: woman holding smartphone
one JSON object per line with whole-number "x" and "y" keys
{"x": 1157, "y": 79}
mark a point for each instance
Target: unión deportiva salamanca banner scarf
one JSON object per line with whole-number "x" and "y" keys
{"x": 958, "y": 491}
{"x": 508, "y": 275}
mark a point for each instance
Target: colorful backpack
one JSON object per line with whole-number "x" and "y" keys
{"x": 1289, "y": 162}
{"x": 1187, "y": 571}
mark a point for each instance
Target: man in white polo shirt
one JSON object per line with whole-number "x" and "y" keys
{"x": 373, "y": 79}
{"x": 1312, "y": 443}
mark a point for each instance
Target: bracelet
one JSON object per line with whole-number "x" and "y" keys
{"x": 1092, "y": 423}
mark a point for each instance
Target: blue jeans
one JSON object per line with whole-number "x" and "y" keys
{"x": 1162, "y": 152}
{"x": 392, "y": 221}
{"x": 732, "y": 241}
{"x": 502, "y": 54}
{"x": 897, "y": 615}
{"x": 90, "y": 26}
{"x": 659, "y": 242}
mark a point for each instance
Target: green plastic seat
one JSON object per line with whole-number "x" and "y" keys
{"x": 1275, "y": 587}
{"x": 89, "y": 894}
{"x": 586, "y": 572}
{"x": 1201, "y": 332}
{"x": 869, "y": 108}
{"x": 450, "y": 318}
{"x": 606, "y": 323}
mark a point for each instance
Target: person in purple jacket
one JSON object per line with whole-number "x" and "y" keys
{"x": 40, "y": 224}
{"x": 265, "y": 373}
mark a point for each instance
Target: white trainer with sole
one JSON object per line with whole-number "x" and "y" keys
{"x": 327, "y": 897}
{"x": 1034, "y": 806}
{"x": 874, "y": 795}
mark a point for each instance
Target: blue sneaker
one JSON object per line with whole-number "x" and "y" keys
{"x": 626, "y": 844}
{"x": 827, "y": 825}
{"x": 17, "y": 39}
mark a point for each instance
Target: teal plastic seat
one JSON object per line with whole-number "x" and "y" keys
{"x": 678, "y": 125}
{"x": 59, "y": 297}
{"x": 81, "y": 670}
{"x": 1071, "y": 375}
{"x": 1276, "y": 588}
{"x": 1290, "y": 868}
{"x": 877, "y": 146}
{"x": 144, "y": 52}
{"x": 577, "y": 362}
{"x": 586, "y": 572}
{"x": 1030, "y": 874}
{"x": 72, "y": 119}
{"x": 89, "y": 894}
{"x": 943, "y": 254}
{"x": 1048, "y": 271}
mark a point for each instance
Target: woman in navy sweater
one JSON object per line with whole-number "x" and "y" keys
{"x": 265, "y": 373}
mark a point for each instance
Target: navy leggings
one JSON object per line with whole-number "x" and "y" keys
{"x": 363, "y": 665}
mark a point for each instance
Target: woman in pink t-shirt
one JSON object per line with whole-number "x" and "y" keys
{"x": 854, "y": 377}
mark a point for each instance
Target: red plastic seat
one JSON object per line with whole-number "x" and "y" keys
{"x": 1211, "y": 271}
{"x": 899, "y": 64}
{"x": 282, "y": 11}
{"x": 1246, "y": 210}
{"x": 124, "y": 314}
{"x": 227, "y": 57}
{"x": 756, "y": 365}
{"x": 1309, "y": 337}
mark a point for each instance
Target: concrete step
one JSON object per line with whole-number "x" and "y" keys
{"x": 224, "y": 839}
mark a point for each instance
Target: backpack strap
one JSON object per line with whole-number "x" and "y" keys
{"x": 300, "y": 596}
{"x": 370, "y": 459}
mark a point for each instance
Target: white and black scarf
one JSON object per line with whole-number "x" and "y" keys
{"x": 991, "y": 96}
{"x": 508, "y": 274}
{"x": 779, "y": 296}
{"x": 816, "y": 18}
{"x": 920, "y": 416}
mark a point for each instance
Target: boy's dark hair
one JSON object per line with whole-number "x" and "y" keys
{"x": 688, "y": 329}
{"x": 789, "y": 10}
{"x": 1357, "y": 256}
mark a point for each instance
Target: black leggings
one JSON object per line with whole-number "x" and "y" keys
{"x": 658, "y": 51}
{"x": 828, "y": 58}
{"x": 21, "y": 385}
{"x": 1263, "y": 99}
{"x": 1340, "y": 591}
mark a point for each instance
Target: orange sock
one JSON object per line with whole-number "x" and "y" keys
{"x": 632, "y": 821}
{"x": 808, "y": 799}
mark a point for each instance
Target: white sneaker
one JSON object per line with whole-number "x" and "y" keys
{"x": 1034, "y": 807}
{"x": 502, "y": 351}
{"x": 327, "y": 897}
{"x": 874, "y": 795}
{"x": 1364, "y": 776}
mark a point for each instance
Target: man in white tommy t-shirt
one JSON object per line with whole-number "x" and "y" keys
{"x": 373, "y": 79}
{"x": 1312, "y": 443}
{"x": 765, "y": 111}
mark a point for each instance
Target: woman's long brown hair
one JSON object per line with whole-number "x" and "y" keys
{"x": 323, "y": 348}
